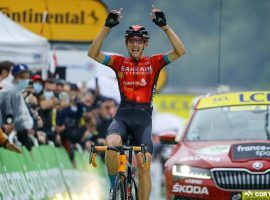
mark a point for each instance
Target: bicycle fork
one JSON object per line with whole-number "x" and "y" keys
{"x": 124, "y": 166}
{"x": 129, "y": 176}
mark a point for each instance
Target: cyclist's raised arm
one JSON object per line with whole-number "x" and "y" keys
{"x": 94, "y": 50}
{"x": 159, "y": 19}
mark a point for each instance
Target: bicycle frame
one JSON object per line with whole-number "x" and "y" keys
{"x": 124, "y": 164}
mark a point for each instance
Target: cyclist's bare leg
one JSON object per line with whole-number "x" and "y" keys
{"x": 145, "y": 183}
{"x": 111, "y": 156}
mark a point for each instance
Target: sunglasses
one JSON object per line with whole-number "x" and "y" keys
{"x": 137, "y": 40}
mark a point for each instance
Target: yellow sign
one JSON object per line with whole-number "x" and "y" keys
{"x": 253, "y": 195}
{"x": 249, "y": 107}
{"x": 233, "y": 99}
{"x": 175, "y": 104}
{"x": 58, "y": 20}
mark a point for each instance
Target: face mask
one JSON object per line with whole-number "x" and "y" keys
{"x": 37, "y": 87}
{"x": 22, "y": 84}
{"x": 48, "y": 94}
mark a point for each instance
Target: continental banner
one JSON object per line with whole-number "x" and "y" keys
{"x": 58, "y": 20}
{"x": 178, "y": 104}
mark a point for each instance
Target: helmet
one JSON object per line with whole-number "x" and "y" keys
{"x": 137, "y": 30}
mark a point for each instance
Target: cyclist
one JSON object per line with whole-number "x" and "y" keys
{"x": 137, "y": 77}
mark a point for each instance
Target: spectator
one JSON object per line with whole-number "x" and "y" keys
{"x": 105, "y": 117}
{"x": 17, "y": 107}
{"x": 14, "y": 111}
{"x": 59, "y": 87}
{"x": 37, "y": 85}
{"x": 69, "y": 125}
{"x": 74, "y": 93}
{"x": 88, "y": 101}
{"x": 48, "y": 102}
{"x": 5, "y": 76}
{"x": 6, "y": 144}
{"x": 91, "y": 136}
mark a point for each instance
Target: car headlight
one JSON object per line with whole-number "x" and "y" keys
{"x": 191, "y": 172}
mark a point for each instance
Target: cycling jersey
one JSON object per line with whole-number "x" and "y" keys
{"x": 137, "y": 79}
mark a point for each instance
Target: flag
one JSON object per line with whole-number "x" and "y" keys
{"x": 53, "y": 64}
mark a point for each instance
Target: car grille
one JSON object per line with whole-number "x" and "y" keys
{"x": 241, "y": 179}
{"x": 185, "y": 198}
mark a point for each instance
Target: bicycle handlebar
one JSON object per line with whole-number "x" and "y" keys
{"x": 116, "y": 148}
{"x": 94, "y": 149}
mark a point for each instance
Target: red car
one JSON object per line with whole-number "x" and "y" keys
{"x": 224, "y": 151}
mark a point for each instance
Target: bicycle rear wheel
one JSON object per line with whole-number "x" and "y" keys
{"x": 119, "y": 188}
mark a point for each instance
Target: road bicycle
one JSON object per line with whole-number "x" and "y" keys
{"x": 125, "y": 187}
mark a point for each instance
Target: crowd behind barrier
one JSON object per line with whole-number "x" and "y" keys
{"x": 50, "y": 124}
{"x": 36, "y": 112}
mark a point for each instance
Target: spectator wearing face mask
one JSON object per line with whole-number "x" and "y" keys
{"x": 34, "y": 93}
{"x": 48, "y": 103}
{"x": 37, "y": 85}
{"x": 69, "y": 121}
{"x": 48, "y": 99}
{"x": 15, "y": 103}
{"x": 21, "y": 76}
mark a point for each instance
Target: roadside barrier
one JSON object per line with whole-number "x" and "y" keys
{"x": 47, "y": 173}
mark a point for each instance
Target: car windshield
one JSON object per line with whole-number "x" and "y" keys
{"x": 230, "y": 123}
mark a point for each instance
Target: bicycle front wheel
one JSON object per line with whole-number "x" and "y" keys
{"x": 119, "y": 189}
{"x": 134, "y": 188}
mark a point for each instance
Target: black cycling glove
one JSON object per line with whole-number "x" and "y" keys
{"x": 160, "y": 19}
{"x": 112, "y": 20}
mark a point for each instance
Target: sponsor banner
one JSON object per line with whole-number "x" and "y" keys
{"x": 250, "y": 151}
{"x": 32, "y": 175}
{"x": 200, "y": 157}
{"x": 190, "y": 189}
{"x": 233, "y": 99}
{"x": 76, "y": 21}
{"x": 36, "y": 176}
{"x": 13, "y": 166}
{"x": 255, "y": 195}
{"x": 177, "y": 104}
{"x": 5, "y": 190}
{"x": 50, "y": 172}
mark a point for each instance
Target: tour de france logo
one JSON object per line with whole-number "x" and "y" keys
{"x": 256, "y": 195}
